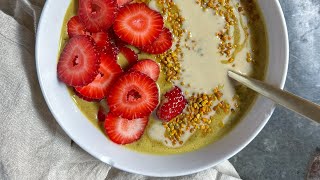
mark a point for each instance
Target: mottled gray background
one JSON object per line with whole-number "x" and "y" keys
{"x": 285, "y": 146}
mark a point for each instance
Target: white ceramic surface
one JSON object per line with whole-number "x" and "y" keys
{"x": 94, "y": 142}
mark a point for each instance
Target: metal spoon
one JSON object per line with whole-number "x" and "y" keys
{"x": 284, "y": 98}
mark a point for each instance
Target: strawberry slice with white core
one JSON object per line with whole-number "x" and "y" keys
{"x": 148, "y": 67}
{"x": 109, "y": 71}
{"x": 79, "y": 63}
{"x": 133, "y": 95}
{"x": 160, "y": 45}
{"x": 124, "y": 131}
{"x": 138, "y": 25}
{"x": 97, "y": 15}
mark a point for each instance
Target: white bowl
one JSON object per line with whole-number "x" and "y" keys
{"x": 94, "y": 142}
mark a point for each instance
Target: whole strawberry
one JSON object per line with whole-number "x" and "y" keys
{"x": 173, "y": 105}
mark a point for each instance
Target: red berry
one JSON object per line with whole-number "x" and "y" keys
{"x": 101, "y": 39}
{"x": 76, "y": 27}
{"x": 104, "y": 43}
{"x": 101, "y": 116}
{"x": 79, "y": 63}
{"x": 123, "y": 2}
{"x": 129, "y": 54}
{"x": 138, "y": 25}
{"x": 124, "y": 131}
{"x": 109, "y": 71}
{"x": 85, "y": 98}
{"x": 118, "y": 42}
{"x": 121, "y": 47}
{"x": 173, "y": 105}
{"x": 133, "y": 95}
{"x": 148, "y": 67}
{"x": 160, "y": 45}
{"x": 97, "y": 15}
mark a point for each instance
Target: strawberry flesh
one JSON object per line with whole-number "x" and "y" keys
{"x": 124, "y": 131}
{"x": 173, "y": 105}
{"x": 76, "y": 27}
{"x": 101, "y": 116}
{"x": 78, "y": 63}
{"x": 123, "y": 2}
{"x": 160, "y": 45}
{"x": 97, "y": 15}
{"x": 118, "y": 42}
{"x": 101, "y": 39}
{"x": 133, "y": 95}
{"x": 148, "y": 67}
{"x": 138, "y": 25}
{"x": 129, "y": 54}
{"x": 104, "y": 43}
{"x": 84, "y": 98}
{"x": 109, "y": 71}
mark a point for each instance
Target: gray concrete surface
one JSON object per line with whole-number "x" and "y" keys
{"x": 285, "y": 146}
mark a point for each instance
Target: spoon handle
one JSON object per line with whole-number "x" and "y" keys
{"x": 284, "y": 98}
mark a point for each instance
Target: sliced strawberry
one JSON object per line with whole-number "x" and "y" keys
{"x": 173, "y": 105}
{"x": 148, "y": 67}
{"x": 123, "y": 2}
{"x": 138, "y": 25}
{"x": 101, "y": 39}
{"x": 109, "y": 71}
{"x": 101, "y": 116}
{"x": 160, "y": 45}
{"x": 118, "y": 42}
{"x": 130, "y": 55}
{"x": 85, "y": 98}
{"x": 79, "y": 63}
{"x": 76, "y": 27}
{"x": 97, "y": 15}
{"x": 134, "y": 95}
{"x": 104, "y": 43}
{"x": 124, "y": 131}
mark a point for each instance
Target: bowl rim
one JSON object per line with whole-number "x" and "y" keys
{"x": 195, "y": 170}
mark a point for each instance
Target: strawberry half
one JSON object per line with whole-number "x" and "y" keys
{"x": 97, "y": 15}
{"x": 148, "y": 67}
{"x": 138, "y": 25}
{"x": 124, "y": 131}
{"x": 123, "y": 2}
{"x": 76, "y": 27}
{"x": 160, "y": 45}
{"x": 173, "y": 105}
{"x": 109, "y": 71}
{"x": 129, "y": 54}
{"x": 134, "y": 95}
{"x": 79, "y": 63}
